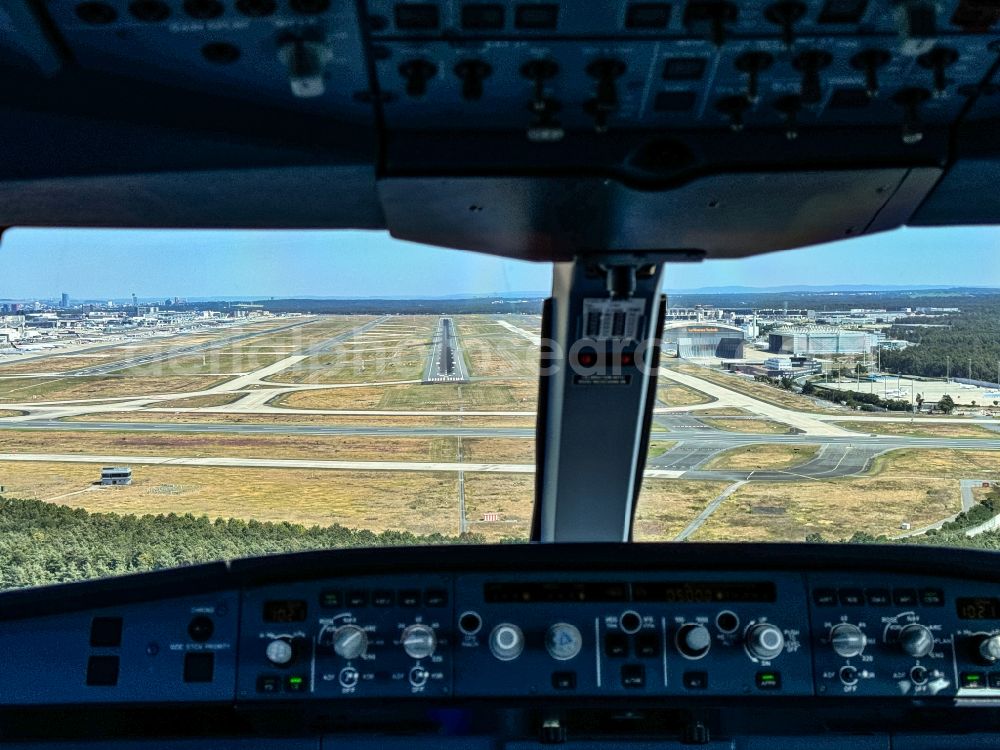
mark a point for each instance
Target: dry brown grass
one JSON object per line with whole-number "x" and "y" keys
{"x": 400, "y": 420}
{"x": 938, "y": 463}
{"x": 421, "y": 502}
{"x": 666, "y": 506}
{"x": 491, "y": 350}
{"x": 498, "y": 450}
{"x": 748, "y": 425}
{"x": 925, "y": 429}
{"x": 25, "y": 390}
{"x": 198, "y": 402}
{"x": 306, "y": 447}
{"x": 762, "y": 511}
{"x": 675, "y": 394}
{"x": 498, "y": 395}
{"x": 11, "y": 413}
{"x": 510, "y": 495}
{"x": 761, "y": 457}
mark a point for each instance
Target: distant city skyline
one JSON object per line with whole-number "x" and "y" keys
{"x": 99, "y": 264}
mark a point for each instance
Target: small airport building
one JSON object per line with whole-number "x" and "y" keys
{"x": 701, "y": 339}
{"x": 114, "y": 476}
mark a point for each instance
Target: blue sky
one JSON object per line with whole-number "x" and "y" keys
{"x": 97, "y": 263}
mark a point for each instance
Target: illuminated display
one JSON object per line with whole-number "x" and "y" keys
{"x": 978, "y": 608}
{"x": 285, "y": 610}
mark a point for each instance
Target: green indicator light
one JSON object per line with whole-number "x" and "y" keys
{"x": 295, "y": 680}
{"x": 972, "y": 678}
{"x": 767, "y": 677}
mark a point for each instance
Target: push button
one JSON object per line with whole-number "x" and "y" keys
{"x": 851, "y": 597}
{"x": 106, "y": 632}
{"x": 102, "y": 671}
{"x": 357, "y": 598}
{"x": 330, "y": 599}
{"x": 904, "y": 597}
{"x": 436, "y": 598}
{"x": 696, "y": 680}
{"x": 383, "y": 598}
{"x": 973, "y": 680}
{"x": 994, "y": 678}
{"x": 647, "y": 645}
{"x": 633, "y": 676}
{"x": 932, "y": 597}
{"x": 878, "y": 597}
{"x": 268, "y": 683}
{"x": 199, "y": 666}
{"x": 408, "y": 598}
{"x": 564, "y": 680}
{"x": 616, "y": 645}
{"x": 296, "y": 683}
{"x": 825, "y": 597}
{"x": 769, "y": 680}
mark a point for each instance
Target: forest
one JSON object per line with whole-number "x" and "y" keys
{"x": 972, "y": 337}
{"x": 43, "y": 543}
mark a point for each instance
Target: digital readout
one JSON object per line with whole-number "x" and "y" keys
{"x": 285, "y": 610}
{"x": 679, "y": 592}
{"x": 978, "y": 608}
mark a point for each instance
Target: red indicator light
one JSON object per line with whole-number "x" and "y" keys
{"x": 587, "y": 359}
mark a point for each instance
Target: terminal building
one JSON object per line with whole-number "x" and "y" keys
{"x": 701, "y": 339}
{"x": 802, "y": 342}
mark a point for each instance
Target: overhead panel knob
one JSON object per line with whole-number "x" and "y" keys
{"x": 847, "y": 640}
{"x": 280, "y": 652}
{"x": 506, "y": 641}
{"x": 989, "y": 649}
{"x": 869, "y": 61}
{"x": 765, "y": 641}
{"x": 350, "y": 642}
{"x": 753, "y": 63}
{"x": 693, "y": 640}
{"x": 563, "y": 641}
{"x": 419, "y": 641}
{"x": 916, "y": 640}
{"x": 473, "y": 73}
{"x": 938, "y": 60}
{"x": 810, "y": 63}
{"x": 786, "y": 14}
{"x": 417, "y": 73}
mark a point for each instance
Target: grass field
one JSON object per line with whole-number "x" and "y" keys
{"x": 498, "y": 395}
{"x": 198, "y": 402}
{"x": 938, "y": 463}
{"x": 762, "y": 391}
{"x": 666, "y": 506}
{"x": 11, "y": 413}
{"x": 307, "y": 447}
{"x": 494, "y": 351}
{"x": 421, "y": 502}
{"x": 193, "y": 417}
{"x": 762, "y": 511}
{"x": 659, "y": 447}
{"x": 760, "y": 457}
{"x": 510, "y": 495}
{"x": 25, "y": 390}
{"x": 675, "y": 394}
{"x": 747, "y": 425}
{"x": 925, "y": 429}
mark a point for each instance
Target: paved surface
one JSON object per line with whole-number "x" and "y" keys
{"x": 445, "y": 363}
{"x": 152, "y": 357}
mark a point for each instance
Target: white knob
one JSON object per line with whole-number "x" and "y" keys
{"x": 279, "y": 652}
{"x": 563, "y": 641}
{"x": 419, "y": 641}
{"x": 847, "y": 640}
{"x": 765, "y": 641}
{"x": 350, "y": 642}
{"x": 989, "y": 648}
{"x": 506, "y": 641}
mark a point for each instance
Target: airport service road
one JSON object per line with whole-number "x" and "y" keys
{"x": 147, "y": 359}
{"x": 445, "y": 363}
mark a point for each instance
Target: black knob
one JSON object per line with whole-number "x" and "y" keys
{"x": 870, "y": 60}
{"x": 910, "y": 100}
{"x": 785, "y": 14}
{"x": 473, "y": 73}
{"x": 201, "y": 628}
{"x": 733, "y": 107}
{"x": 938, "y": 61}
{"x": 752, "y": 63}
{"x": 789, "y": 106}
{"x": 538, "y": 72}
{"x": 605, "y": 101}
{"x": 417, "y": 73}
{"x": 810, "y": 63}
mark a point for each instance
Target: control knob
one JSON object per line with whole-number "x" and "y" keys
{"x": 563, "y": 641}
{"x": 419, "y": 641}
{"x": 764, "y": 641}
{"x": 847, "y": 640}
{"x": 350, "y": 642}
{"x": 280, "y": 652}
{"x": 506, "y": 641}
{"x": 916, "y": 640}
{"x": 693, "y": 640}
{"x": 989, "y": 649}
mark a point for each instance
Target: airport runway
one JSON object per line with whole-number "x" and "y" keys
{"x": 147, "y": 359}
{"x": 445, "y": 363}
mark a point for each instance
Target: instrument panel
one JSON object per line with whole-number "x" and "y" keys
{"x": 489, "y": 632}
